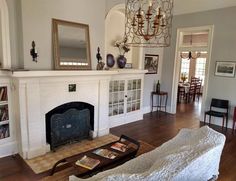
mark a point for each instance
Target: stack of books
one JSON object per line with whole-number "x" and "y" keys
{"x": 119, "y": 146}
{"x": 106, "y": 153}
{"x": 3, "y": 93}
{"x": 87, "y": 162}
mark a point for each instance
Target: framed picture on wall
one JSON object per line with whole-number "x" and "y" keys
{"x": 151, "y": 63}
{"x": 225, "y": 68}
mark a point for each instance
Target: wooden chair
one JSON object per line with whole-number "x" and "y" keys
{"x": 194, "y": 80}
{"x": 216, "y": 104}
{"x": 234, "y": 120}
{"x": 191, "y": 93}
{"x": 181, "y": 94}
{"x": 198, "y": 90}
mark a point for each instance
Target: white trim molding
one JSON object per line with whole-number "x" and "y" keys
{"x": 5, "y": 34}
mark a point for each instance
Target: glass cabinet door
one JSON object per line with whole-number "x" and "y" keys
{"x": 116, "y": 97}
{"x": 133, "y": 95}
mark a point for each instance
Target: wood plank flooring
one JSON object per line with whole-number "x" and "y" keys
{"x": 155, "y": 129}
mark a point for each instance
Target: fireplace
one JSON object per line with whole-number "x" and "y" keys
{"x": 68, "y": 123}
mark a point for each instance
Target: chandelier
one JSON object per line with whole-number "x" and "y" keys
{"x": 148, "y": 22}
{"x": 190, "y": 55}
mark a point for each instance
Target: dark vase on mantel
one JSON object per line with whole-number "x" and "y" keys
{"x": 121, "y": 61}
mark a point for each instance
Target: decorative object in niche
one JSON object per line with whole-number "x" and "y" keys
{"x": 100, "y": 64}
{"x": 72, "y": 87}
{"x": 121, "y": 61}
{"x": 151, "y": 63}
{"x": 123, "y": 48}
{"x": 128, "y": 65}
{"x": 33, "y": 52}
{"x": 148, "y": 22}
{"x": 110, "y": 60}
{"x": 71, "y": 45}
{"x": 225, "y": 68}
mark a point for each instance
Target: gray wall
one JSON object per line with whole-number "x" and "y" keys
{"x": 224, "y": 46}
{"x": 37, "y": 25}
{"x": 1, "y": 55}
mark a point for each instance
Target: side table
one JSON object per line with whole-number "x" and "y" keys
{"x": 162, "y": 98}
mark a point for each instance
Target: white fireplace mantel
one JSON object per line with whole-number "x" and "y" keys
{"x": 37, "y": 92}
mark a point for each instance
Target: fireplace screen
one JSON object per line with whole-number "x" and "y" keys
{"x": 68, "y": 123}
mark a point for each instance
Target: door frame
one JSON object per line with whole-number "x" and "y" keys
{"x": 177, "y": 64}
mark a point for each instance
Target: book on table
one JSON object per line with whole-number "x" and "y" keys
{"x": 106, "y": 153}
{"x": 119, "y": 146}
{"x": 87, "y": 162}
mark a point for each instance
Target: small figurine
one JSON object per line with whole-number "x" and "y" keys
{"x": 33, "y": 52}
{"x": 100, "y": 64}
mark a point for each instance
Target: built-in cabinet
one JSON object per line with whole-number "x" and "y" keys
{"x": 125, "y": 100}
{"x": 4, "y": 113}
{"x": 8, "y": 145}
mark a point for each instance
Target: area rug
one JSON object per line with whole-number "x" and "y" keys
{"x": 43, "y": 163}
{"x": 64, "y": 174}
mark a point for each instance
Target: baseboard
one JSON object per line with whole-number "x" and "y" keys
{"x": 8, "y": 149}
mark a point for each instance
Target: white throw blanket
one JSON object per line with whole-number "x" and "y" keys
{"x": 193, "y": 155}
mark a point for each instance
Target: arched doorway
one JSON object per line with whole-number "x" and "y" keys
{"x": 114, "y": 31}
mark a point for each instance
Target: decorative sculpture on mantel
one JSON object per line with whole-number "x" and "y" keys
{"x": 33, "y": 52}
{"x": 100, "y": 64}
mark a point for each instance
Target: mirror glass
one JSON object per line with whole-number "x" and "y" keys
{"x": 71, "y": 45}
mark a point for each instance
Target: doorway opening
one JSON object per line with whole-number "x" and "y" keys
{"x": 193, "y": 50}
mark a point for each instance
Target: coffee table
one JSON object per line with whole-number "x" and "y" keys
{"x": 105, "y": 163}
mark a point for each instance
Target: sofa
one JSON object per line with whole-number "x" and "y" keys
{"x": 193, "y": 154}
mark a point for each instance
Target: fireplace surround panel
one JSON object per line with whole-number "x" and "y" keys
{"x": 68, "y": 123}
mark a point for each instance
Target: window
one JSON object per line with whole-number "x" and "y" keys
{"x": 200, "y": 69}
{"x": 185, "y": 66}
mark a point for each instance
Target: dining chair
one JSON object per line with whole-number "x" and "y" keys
{"x": 181, "y": 94}
{"x": 198, "y": 90}
{"x": 191, "y": 93}
{"x": 194, "y": 79}
{"x": 217, "y": 104}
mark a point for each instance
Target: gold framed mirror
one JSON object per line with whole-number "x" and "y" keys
{"x": 71, "y": 45}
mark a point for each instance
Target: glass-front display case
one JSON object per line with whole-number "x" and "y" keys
{"x": 133, "y": 95}
{"x": 116, "y": 97}
{"x": 124, "y": 94}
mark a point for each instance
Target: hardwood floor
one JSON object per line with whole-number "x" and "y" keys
{"x": 156, "y": 128}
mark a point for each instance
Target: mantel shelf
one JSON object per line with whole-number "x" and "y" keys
{"x": 55, "y": 73}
